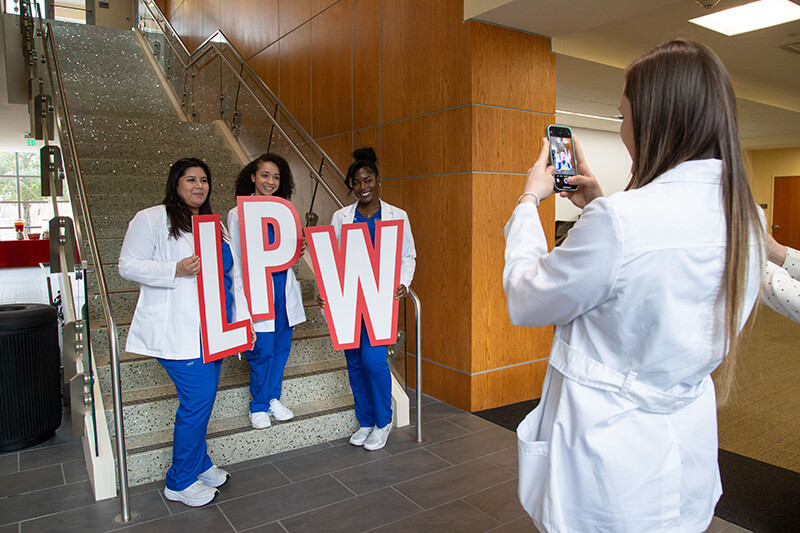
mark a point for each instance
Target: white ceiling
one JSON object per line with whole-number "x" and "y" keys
{"x": 594, "y": 40}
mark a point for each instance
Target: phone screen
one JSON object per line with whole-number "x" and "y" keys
{"x": 562, "y": 156}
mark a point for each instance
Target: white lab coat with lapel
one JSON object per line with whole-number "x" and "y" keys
{"x": 625, "y": 436}
{"x": 295, "y": 311}
{"x": 408, "y": 262}
{"x": 166, "y": 322}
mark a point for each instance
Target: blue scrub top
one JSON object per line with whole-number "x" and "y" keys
{"x": 370, "y": 222}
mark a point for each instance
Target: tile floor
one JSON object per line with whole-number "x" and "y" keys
{"x": 463, "y": 478}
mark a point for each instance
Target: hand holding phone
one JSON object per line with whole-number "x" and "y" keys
{"x": 562, "y": 156}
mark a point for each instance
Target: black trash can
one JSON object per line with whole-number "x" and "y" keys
{"x": 30, "y": 368}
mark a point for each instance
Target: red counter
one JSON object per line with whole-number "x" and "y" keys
{"x": 27, "y": 252}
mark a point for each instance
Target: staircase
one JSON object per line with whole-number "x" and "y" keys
{"x": 127, "y": 136}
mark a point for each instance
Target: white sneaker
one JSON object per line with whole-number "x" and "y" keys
{"x": 214, "y": 477}
{"x": 360, "y": 436}
{"x": 260, "y": 420}
{"x": 377, "y": 439}
{"x": 195, "y": 495}
{"x": 279, "y": 411}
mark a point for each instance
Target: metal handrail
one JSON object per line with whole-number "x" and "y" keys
{"x": 65, "y": 123}
{"x": 207, "y": 47}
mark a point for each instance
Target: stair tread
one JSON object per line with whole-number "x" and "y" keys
{"x": 238, "y": 424}
{"x": 164, "y": 392}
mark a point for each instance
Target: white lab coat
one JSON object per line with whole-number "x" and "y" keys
{"x": 780, "y": 286}
{"x": 295, "y": 312}
{"x": 166, "y": 322}
{"x": 408, "y": 262}
{"x": 625, "y": 438}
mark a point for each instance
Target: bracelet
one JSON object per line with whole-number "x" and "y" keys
{"x": 536, "y": 196}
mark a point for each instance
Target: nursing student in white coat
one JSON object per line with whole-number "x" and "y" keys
{"x": 158, "y": 253}
{"x": 367, "y": 368}
{"x": 648, "y": 293}
{"x": 268, "y": 175}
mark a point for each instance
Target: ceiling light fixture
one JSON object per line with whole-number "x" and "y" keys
{"x": 750, "y": 17}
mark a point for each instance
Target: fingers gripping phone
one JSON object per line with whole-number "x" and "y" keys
{"x": 562, "y": 156}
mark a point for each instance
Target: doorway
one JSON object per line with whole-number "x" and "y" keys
{"x": 785, "y": 219}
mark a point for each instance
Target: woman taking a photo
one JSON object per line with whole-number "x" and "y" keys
{"x": 367, "y": 368}
{"x": 648, "y": 293}
{"x": 269, "y": 175}
{"x": 158, "y": 253}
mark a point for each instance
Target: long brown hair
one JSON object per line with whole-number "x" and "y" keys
{"x": 683, "y": 108}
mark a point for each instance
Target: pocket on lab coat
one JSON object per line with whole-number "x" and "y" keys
{"x": 148, "y": 327}
{"x": 534, "y": 463}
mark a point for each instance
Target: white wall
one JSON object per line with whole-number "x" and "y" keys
{"x": 609, "y": 161}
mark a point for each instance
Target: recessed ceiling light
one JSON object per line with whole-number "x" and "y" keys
{"x": 750, "y": 17}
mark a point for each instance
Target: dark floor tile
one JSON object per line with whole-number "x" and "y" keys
{"x": 46, "y": 501}
{"x": 453, "y": 483}
{"x": 9, "y": 463}
{"x": 475, "y": 445}
{"x": 435, "y": 411}
{"x": 718, "y": 525}
{"x": 471, "y": 422}
{"x": 288, "y": 500}
{"x": 389, "y": 471}
{"x": 98, "y": 516}
{"x": 242, "y": 483}
{"x": 11, "y": 528}
{"x": 500, "y": 502}
{"x": 39, "y": 478}
{"x": 339, "y": 442}
{"x": 156, "y": 486}
{"x": 325, "y": 461}
{"x": 354, "y": 515}
{"x": 204, "y": 520}
{"x": 520, "y": 525}
{"x": 61, "y": 453}
{"x": 507, "y": 459}
{"x": 404, "y": 439}
{"x": 63, "y": 433}
{"x": 274, "y": 527}
{"x": 454, "y": 517}
{"x": 277, "y": 457}
{"x": 75, "y": 471}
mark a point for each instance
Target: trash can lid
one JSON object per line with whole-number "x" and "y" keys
{"x": 15, "y": 317}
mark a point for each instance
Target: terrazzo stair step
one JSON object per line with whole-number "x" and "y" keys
{"x": 141, "y": 371}
{"x": 124, "y": 201}
{"x": 111, "y": 129}
{"x": 150, "y": 167}
{"x": 123, "y": 302}
{"x": 208, "y": 151}
{"x": 151, "y": 186}
{"x": 314, "y": 326}
{"x": 153, "y": 409}
{"x": 113, "y": 280}
{"x": 233, "y": 440}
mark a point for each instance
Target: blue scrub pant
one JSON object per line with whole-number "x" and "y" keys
{"x": 371, "y": 382}
{"x": 268, "y": 357}
{"x": 196, "y": 384}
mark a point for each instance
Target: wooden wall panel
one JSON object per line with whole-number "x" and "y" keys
{"x": 425, "y": 64}
{"x": 367, "y": 137}
{"x": 332, "y": 102}
{"x": 250, "y": 39}
{"x": 512, "y": 69}
{"x": 292, "y": 13}
{"x": 338, "y": 148}
{"x": 318, "y": 6}
{"x": 506, "y": 140}
{"x": 506, "y": 386}
{"x": 438, "y": 209}
{"x": 295, "y": 75}
{"x": 442, "y": 383}
{"x": 431, "y": 144}
{"x": 267, "y": 65}
{"x": 494, "y": 198}
{"x": 191, "y": 12}
{"x": 211, "y": 17}
{"x": 366, "y": 71}
{"x": 169, "y": 7}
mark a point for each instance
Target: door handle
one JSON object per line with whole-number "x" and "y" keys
{"x": 776, "y": 227}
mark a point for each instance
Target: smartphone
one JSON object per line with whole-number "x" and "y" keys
{"x": 562, "y": 156}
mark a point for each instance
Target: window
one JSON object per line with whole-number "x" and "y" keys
{"x": 21, "y": 195}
